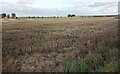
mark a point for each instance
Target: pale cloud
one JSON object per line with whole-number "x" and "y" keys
{"x": 105, "y": 7}
{"x": 59, "y": 7}
{"x": 97, "y": 4}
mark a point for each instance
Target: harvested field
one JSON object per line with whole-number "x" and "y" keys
{"x": 46, "y": 44}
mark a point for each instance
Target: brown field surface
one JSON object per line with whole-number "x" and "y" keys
{"x": 45, "y": 44}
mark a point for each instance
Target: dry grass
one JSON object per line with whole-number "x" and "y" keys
{"x": 45, "y": 44}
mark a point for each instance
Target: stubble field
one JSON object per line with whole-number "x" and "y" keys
{"x": 76, "y": 44}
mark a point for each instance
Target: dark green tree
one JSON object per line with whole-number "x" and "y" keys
{"x": 8, "y": 15}
{"x": 13, "y": 15}
{"x": 3, "y": 15}
{"x": 73, "y": 15}
{"x": 69, "y": 15}
{"x": 29, "y": 17}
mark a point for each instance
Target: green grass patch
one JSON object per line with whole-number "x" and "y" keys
{"x": 18, "y": 65}
{"x": 103, "y": 60}
{"x": 15, "y": 53}
{"x": 75, "y": 66}
{"x": 111, "y": 67}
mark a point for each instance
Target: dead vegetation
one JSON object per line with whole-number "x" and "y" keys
{"x": 41, "y": 45}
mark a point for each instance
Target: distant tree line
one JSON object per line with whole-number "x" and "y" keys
{"x": 4, "y": 15}
{"x": 13, "y": 15}
{"x": 44, "y": 17}
{"x": 69, "y": 15}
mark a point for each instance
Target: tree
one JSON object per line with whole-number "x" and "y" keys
{"x": 3, "y": 15}
{"x": 13, "y": 15}
{"x": 69, "y": 15}
{"x": 38, "y": 17}
{"x": 33, "y": 17}
{"x": 8, "y": 15}
{"x": 29, "y": 17}
{"x": 73, "y": 15}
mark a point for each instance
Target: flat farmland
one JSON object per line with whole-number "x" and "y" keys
{"x": 75, "y": 44}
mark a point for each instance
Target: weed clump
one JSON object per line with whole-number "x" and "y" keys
{"x": 101, "y": 61}
{"x": 18, "y": 65}
{"x": 76, "y": 66}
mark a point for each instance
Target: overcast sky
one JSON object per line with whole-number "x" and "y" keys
{"x": 59, "y": 7}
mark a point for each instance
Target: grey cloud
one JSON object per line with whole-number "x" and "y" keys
{"x": 25, "y": 2}
{"x": 99, "y": 4}
{"x": 26, "y": 11}
{"x": 21, "y": 8}
{"x": 104, "y": 7}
